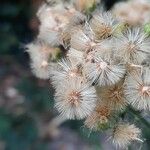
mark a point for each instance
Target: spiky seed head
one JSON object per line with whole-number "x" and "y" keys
{"x": 66, "y": 34}
{"x": 133, "y": 46}
{"x": 64, "y": 71}
{"x": 75, "y": 99}
{"x": 99, "y": 117}
{"x": 52, "y": 21}
{"x": 41, "y": 55}
{"x": 80, "y": 41}
{"x": 113, "y": 96}
{"x": 103, "y": 70}
{"x": 103, "y": 25}
{"x": 75, "y": 56}
{"x": 124, "y": 134}
{"x": 134, "y": 13}
{"x": 137, "y": 89}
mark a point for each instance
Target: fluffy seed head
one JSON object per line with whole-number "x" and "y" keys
{"x": 77, "y": 18}
{"x": 75, "y": 99}
{"x": 124, "y": 134}
{"x": 66, "y": 70}
{"x": 103, "y": 25}
{"x": 137, "y": 89}
{"x": 80, "y": 41}
{"x": 103, "y": 70}
{"x": 40, "y": 55}
{"x": 100, "y": 116}
{"x": 52, "y": 22}
{"x": 133, "y": 46}
{"x": 75, "y": 56}
{"x": 113, "y": 96}
{"x": 134, "y": 13}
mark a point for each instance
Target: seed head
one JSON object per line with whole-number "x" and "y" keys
{"x": 99, "y": 117}
{"x": 113, "y": 96}
{"x": 103, "y": 70}
{"x": 75, "y": 56}
{"x": 65, "y": 70}
{"x": 40, "y": 55}
{"x": 137, "y": 89}
{"x": 103, "y": 25}
{"x": 75, "y": 99}
{"x": 133, "y": 46}
{"x": 124, "y": 134}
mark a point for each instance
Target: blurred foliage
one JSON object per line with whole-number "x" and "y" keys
{"x": 14, "y": 28}
{"x": 40, "y": 99}
{"x": 147, "y": 29}
{"x": 19, "y": 131}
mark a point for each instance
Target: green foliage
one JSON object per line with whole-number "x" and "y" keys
{"x": 5, "y": 124}
{"x": 39, "y": 98}
{"x": 14, "y": 19}
{"x": 17, "y": 131}
{"x": 147, "y": 28}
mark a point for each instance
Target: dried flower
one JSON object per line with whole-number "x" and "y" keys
{"x": 103, "y": 70}
{"x": 75, "y": 56}
{"x": 113, "y": 96}
{"x": 134, "y": 13}
{"x": 84, "y": 40}
{"x": 105, "y": 66}
{"x": 80, "y": 41}
{"x": 124, "y": 134}
{"x": 103, "y": 25}
{"x": 75, "y": 99}
{"x": 137, "y": 89}
{"x": 66, "y": 70}
{"x": 41, "y": 54}
{"x": 99, "y": 118}
{"x": 133, "y": 46}
{"x": 53, "y": 21}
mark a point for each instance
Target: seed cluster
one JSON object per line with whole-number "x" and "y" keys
{"x": 104, "y": 67}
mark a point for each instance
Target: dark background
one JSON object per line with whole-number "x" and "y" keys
{"x": 26, "y": 103}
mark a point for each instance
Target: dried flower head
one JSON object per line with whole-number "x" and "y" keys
{"x": 65, "y": 70}
{"x": 133, "y": 46}
{"x": 41, "y": 54}
{"x": 80, "y": 41}
{"x": 103, "y": 25}
{"x": 113, "y": 96}
{"x": 84, "y": 40}
{"x": 106, "y": 65}
{"x": 134, "y": 13}
{"x": 75, "y": 56}
{"x": 65, "y": 33}
{"x": 137, "y": 89}
{"x": 53, "y": 21}
{"x": 100, "y": 117}
{"x": 124, "y": 134}
{"x": 104, "y": 70}
{"x": 76, "y": 99}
